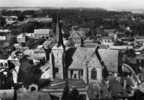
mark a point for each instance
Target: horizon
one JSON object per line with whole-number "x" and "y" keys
{"x": 104, "y": 4}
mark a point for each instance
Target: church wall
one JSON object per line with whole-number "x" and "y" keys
{"x": 58, "y": 64}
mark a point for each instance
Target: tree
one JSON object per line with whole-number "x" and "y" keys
{"x": 29, "y": 27}
{"x": 2, "y": 22}
{"x": 21, "y": 17}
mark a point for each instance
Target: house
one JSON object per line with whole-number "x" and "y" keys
{"x": 21, "y": 38}
{"x": 107, "y": 41}
{"x": 43, "y": 19}
{"x": 41, "y": 33}
{"x": 139, "y": 39}
{"x": 4, "y": 34}
{"x": 79, "y": 35}
{"x": 3, "y": 63}
{"x": 109, "y": 32}
{"x": 37, "y": 54}
{"x": 140, "y": 60}
{"x": 128, "y": 40}
{"x": 122, "y": 47}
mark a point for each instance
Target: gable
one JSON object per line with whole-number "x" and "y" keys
{"x": 94, "y": 62}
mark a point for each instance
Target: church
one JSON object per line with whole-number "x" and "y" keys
{"x": 78, "y": 66}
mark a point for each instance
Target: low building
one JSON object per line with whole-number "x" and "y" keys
{"x": 122, "y": 47}
{"x": 3, "y": 63}
{"x": 43, "y": 19}
{"x": 79, "y": 35}
{"x": 109, "y": 32}
{"x": 37, "y": 54}
{"x": 107, "y": 41}
{"x": 4, "y": 34}
{"x": 41, "y": 33}
{"x": 21, "y": 38}
{"x": 139, "y": 39}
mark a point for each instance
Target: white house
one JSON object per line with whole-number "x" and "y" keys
{"x": 21, "y": 38}
{"x": 4, "y": 34}
{"x": 3, "y": 63}
{"x": 36, "y": 54}
{"x": 107, "y": 41}
{"x": 41, "y": 33}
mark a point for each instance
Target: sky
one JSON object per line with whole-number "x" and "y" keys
{"x": 108, "y": 4}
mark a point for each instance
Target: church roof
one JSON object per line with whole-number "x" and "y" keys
{"x": 110, "y": 58}
{"x": 84, "y": 56}
{"x": 80, "y": 57}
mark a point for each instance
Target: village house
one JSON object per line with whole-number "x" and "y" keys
{"x": 139, "y": 39}
{"x": 121, "y": 47}
{"x": 43, "y": 19}
{"x": 78, "y": 35}
{"x": 107, "y": 41}
{"x": 35, "y": 54}
{"x": 4, "y": 34}
{"x": 41, "y": 33}
{"x": 109, "y": 32}
{"x": 140, "y": 60}
{"x": 21, "y": 38}
{"x": 3, "y": 63}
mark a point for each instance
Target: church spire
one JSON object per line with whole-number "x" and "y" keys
{"x": 59, "y": 35}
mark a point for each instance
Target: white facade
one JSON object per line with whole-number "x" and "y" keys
{"x": 57, "y": 63}
{"x": 21, "y": 38}
{"x": 107, "y": 42}
{"x": 2, "y": 37}
{"x": 41, "y": 33}
{"x": 3, "y": 63}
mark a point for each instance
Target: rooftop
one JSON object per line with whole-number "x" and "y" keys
{"x": 80, "y": 56}
{"x": 72, "y": 84}
{"x": 42, "y": 31}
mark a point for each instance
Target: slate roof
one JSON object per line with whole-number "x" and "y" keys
{"x": 80, "y": 57}
{"x": 84, "y": 55}
{"x": 110, "y": 58}
{"x": 42, "y": 31}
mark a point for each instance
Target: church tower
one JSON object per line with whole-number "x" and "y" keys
{"x": 57, "y": 54}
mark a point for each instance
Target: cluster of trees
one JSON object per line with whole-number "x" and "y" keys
{"x": 33, "y": 43}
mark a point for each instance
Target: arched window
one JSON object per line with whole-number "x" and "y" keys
{"x": 1, "y": 65}
{"x": 6, "y": 65}
{"x": 93, "y": 74}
